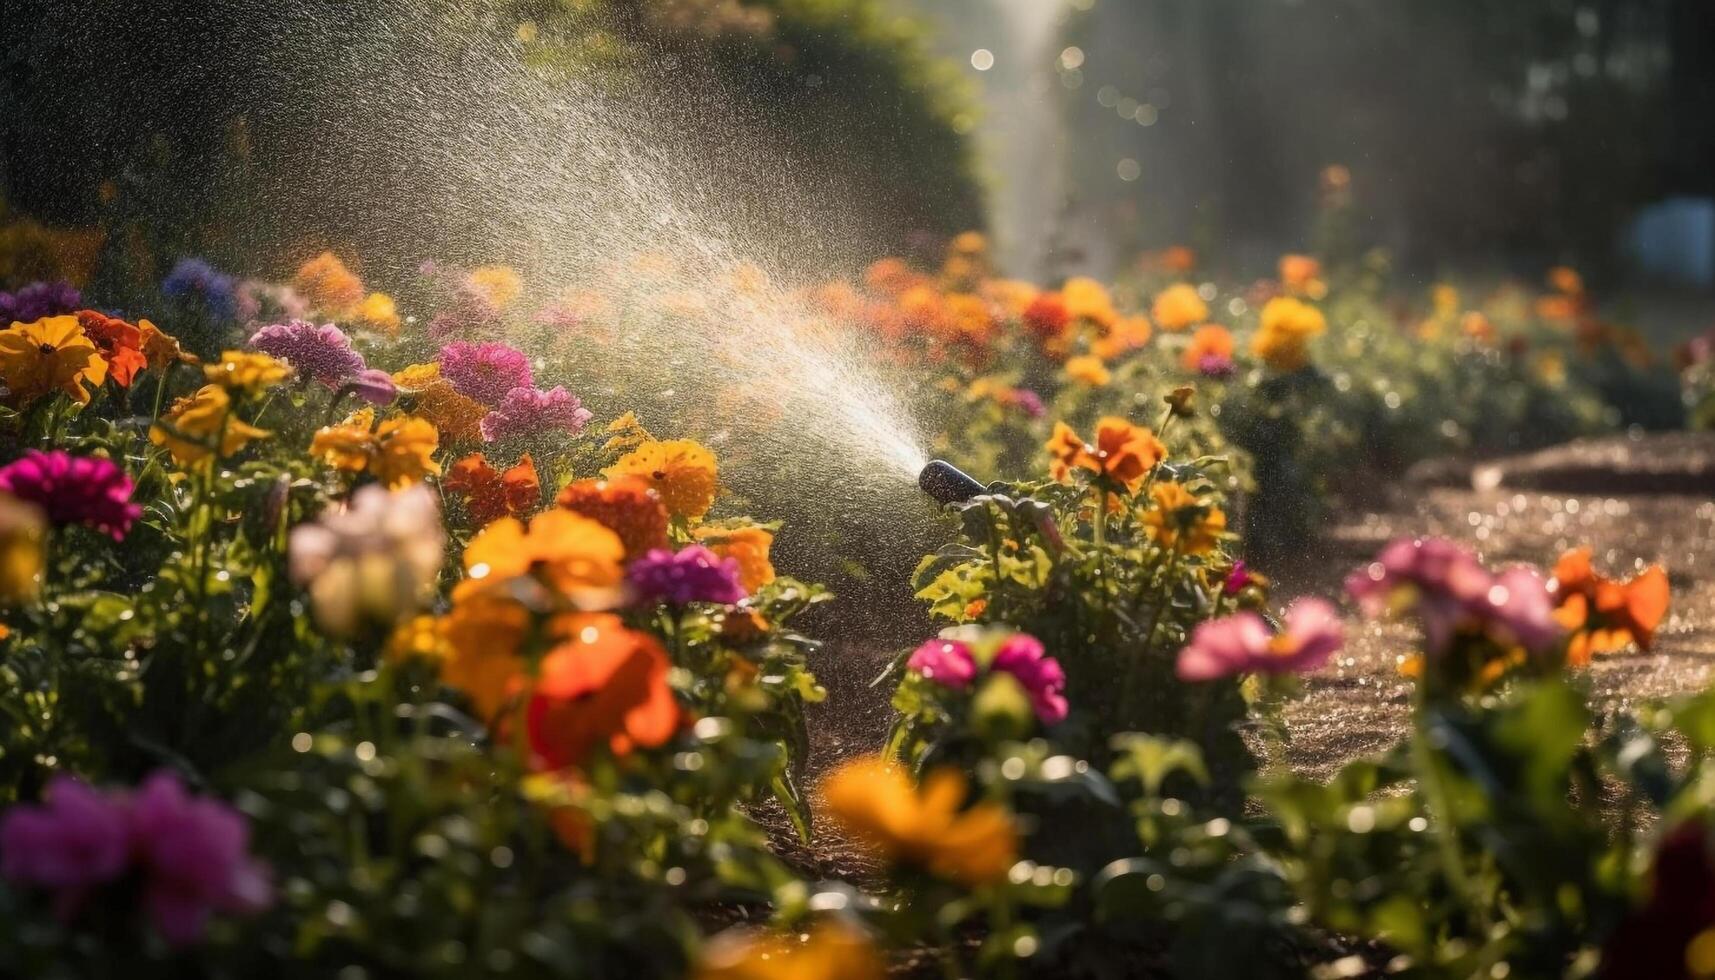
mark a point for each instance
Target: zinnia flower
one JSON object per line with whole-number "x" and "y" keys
{"x": 605, "y": 685}
{"x": 328, "y": 285}
{"x": 948, "y": 663}
{"x": 70, "y": 489}
{"x": 1178, "y": 521}
{"x": 1243, "y": 644}
{"x": 120, "y": 343}
{"x": 486, "y": 371}
{"x": 692, "y": 574}
{"x": 189, "y": 428}
{"x": 1047, "y": 318}
{"x": 1210, "y": 352}
{"x": 1179, "y": 307}
{"x": 533, "y": 412}
{"x": 322, "y": 354}
{"x": 1086, "y": 299}
{"x": 627, "y": 505}
{"x": 371, "y": 562}
{"x": 48, "y": 355}
{"x": 194, "y": 279}
{"x": 194, "y": 856}
{"x": 923, "y": 826}
{"x": 37, "y": 301}
{"x": 1603, "y": 615}
{"x": 73, "y": 841}
{"x": 1041, "y": 676}
{"x": 1123, "y": 453}
{"x": 1450, "y": 591}
{"x": 682, "y": 472}
{"x": 489, "y": 494}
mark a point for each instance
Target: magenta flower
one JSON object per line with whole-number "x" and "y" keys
{"x": 374, "y": 386}
{"x": 1243, "y": 644}
{"x": 1029, "y": 402}
{"x": 1238, "y": 579}
{"x": 487, "y": 372}
{"x": 71, "y": 842}
{"x": 531, "y": 411}
{"x": 74, "y": 490}
{"x": 1215, "y": 365}
{"x": 1449, "y": 590}
{"x": 948, "y": 663}
{"x": 693, "y": 574}
{"x": 322, "y": 353}
{"x": 194, "y": 853}
{"x": 1040, "y": 675}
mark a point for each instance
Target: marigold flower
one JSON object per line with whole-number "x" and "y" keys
{"x": 1177, "y": 520}
{"x": 1089, "y": 369}
{"x": 119, "y": 342}
{"x": 626, "y": 505}
{"x": 86, "y": 490}
{"x": 484, "y": 632}
{"x": 605, "y": 685}
{"x": 346, "y": 445}
{"x": 1566, "y": 279}
{"x": 923, "y": 826}
{"x": 1123, "y": 452}
{"x": 683, "y": 472}
{"x": 404, "y": 451}
{"x": 748, "y": 546}
{"x": 489, "y": 494}
{"x": 194, "y": 422}
{"x": 1243, "y": 644}
{"x": 1127, "y": 333}
{"x": 1047, "y": 318}
{"x": 1210, "y": 352}
{"x": 458, "y": 417}
{"x": 1287, "y": 325}
{"x": 247, "y": 371}
{"x": 834, "y": 951}
{"x": 417, "y": 638}
{"x": 369, "y": 562}
{"x": 48, "y": 355}
{"x": 570, "y": 552}
{"x": 1087, "y": 299}
{"x": 1179, "y": 307}
{"x": 328, "y": 285}
{"x": 890, "y": 276}
{"x": 1603, "y": 615}
{"x": 1301, "y": 275}
{"x": 378, "y": 312}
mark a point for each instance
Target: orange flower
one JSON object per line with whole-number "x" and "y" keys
{"x": 1179, "y": 307}
{"x": 1302, "y": 276}
{"x": 48, "y": 355}
{"x": 484, "y": 635}
{"x": 378, "y": 312}
{"x": 398, "y": 452}
{"x": 923, "y": 826}
{"x": 1566, "y": 280}
{"x": 1601, "y": 614}
{"x": 832, "y": 951}
{"x": 890, "y": 277}
{"x": 748, "y": 545}
{"x": 1127, "y": 333}
{"x": 1089, "y": 369}
{"x": 120, "y": 342}
{"x": 1178, "y": 521}
{"x": 162, "y": 348}
{"x": 568, "y": 551}
{"x": 432, "y": 397}
{"x": 683, "y": 472}
{"x": 626, "y": 505}
{"x": 1283, "y": 336}
{"x": 1210, "y": 351}
{"x": 499, "y": 284}
{"x": 489, "y": 494}
{"x": 328, "y": 285}
{"x": 605, "y": 685}
{"x": 1123, "y": 452}
{"x": 1087, "y": 299}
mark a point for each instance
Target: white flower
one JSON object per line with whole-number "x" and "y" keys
{"x": 372, "y": 561}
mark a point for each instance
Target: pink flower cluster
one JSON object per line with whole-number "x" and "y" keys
{"x": 498, "y": 376}
{"x": 1451, "y": 592}
{"x": 321, "y": 353}
{"x": 189, "y": 854}
{"x": 74, "y": 490}
{"x": 692, "y": 574}
{"x": 953, "y": 664}
{"x": 1243, "y": 643}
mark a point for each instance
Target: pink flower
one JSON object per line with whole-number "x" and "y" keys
{"x": 74, "y": 490}
{"x": 1043, "y": 680}
{"x": 948, "y": 663}
{"x": 322, "y": 354}
{"x": 485, "y": 371}
{"x": 1449, "y": 590}
{"x": 72, "y": 841}
{"x": 1243, "y": 644}
{"x": 1237, "y": 579}
{"x": 194, "y": 853}
{"x": 374, "y": 386}
{"x": 692, "y": 574}
{"x": 531, "y": 411}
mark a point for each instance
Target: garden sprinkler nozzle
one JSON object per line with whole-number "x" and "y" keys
{"x": 947, "y": 483}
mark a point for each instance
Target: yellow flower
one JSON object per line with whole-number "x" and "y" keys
{"x": 346, "y": 445}
{"x": 1178, "y": 307}
{"x": 833, "y": 951}
{"x": 681, "y": 471}
{"x": 969, "y": 243}
{"x": 923, "y": 826}
{"x": 194, "y": 423}
{"x": 625, "y": 434}
{"x": 570, "y": 552}
{"x": 404, "y": 447}
{"x": 22, "y": 527}
{"x": 247, "y": 371}
{"x": 432, "y": 397}
{"x": 417, "y": 638}
{"x": 1177, "y": 520}
{"x": 1088, "y": 369}
{"x": 749, "y": 546}
{"x": 1283, "y": 336}
{"x": 1087, "y": 299}
{"x": 484, "y": 634}
{"x": 47, "y": 355}
{"x": 1446, "y": 301}
{"x": 499, "y": 284}
{"x": 162, "y": 348}
{"x": 378, "y": 312}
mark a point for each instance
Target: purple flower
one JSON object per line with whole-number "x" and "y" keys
{"x": 1449, "y": 590}
{"x": 1030, "y": 402}
{"x": 1215, "y": 365}
{"x": 71, "y": 842}
{"x": 322, "y": 353}
{"x": 531, "y": 411}
{"x": 487, "y": 372}
{"x": 693, "y": 574}
{"x": 1243, "y": 644}
{"x": 948, "y": 663}
{"x": 39, "y": 299}
{"x": 74, "y": 490}
{"x": 1040, "y": 675}
{"x": 255, "y": 297}
{"x": 194, "y": 853}
{"x": 374, "y": 386}
{"x": 194, "y": 278}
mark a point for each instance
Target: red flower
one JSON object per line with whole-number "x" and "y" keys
{"x": 626, "y": 505}
{"x": 120, "y": 342}
{"x": 608, "y": 685}
{"x": 490, "y": 495}
{"x": 1047, "y": 317}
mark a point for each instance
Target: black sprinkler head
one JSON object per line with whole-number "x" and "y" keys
{"x": 947, "y": 483}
